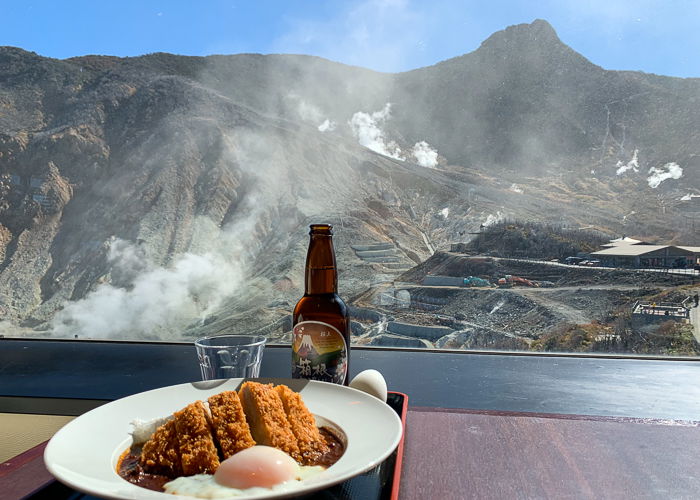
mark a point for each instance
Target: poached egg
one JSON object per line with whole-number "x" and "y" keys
{"x": 252, "y": 471}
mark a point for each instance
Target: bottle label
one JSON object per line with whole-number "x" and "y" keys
{"x": 319, "y": 352}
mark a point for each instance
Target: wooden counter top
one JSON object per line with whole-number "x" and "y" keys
{"x": 462, "y": 454}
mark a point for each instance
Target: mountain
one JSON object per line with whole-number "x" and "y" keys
{"x": 526, "y": 100}
{"x": 163, "y": 196}
{"x": 306, "y": 349}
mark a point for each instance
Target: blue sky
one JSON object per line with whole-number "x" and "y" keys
{"x": 386, "y": 35}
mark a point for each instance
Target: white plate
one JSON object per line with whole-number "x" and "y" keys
{"x": 84, "y": 453}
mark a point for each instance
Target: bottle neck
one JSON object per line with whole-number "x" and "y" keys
{"x": 321, "y": 273}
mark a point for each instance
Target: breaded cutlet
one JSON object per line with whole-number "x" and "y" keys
{"x": 161, "y": 453}
{"x": 267, "y": 419}
{"x": 197, "y": 450}
{"x": 303, "y": 424}
{"x": 229, "y": 423}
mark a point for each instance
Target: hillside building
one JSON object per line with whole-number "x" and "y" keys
{"x": 696, "y": 252}
{"x": 627, "y": 252}
{"x": 624, "y": 241}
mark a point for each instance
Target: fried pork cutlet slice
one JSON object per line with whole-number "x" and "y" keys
{"x": 196, "y": 445}
{"x": 161, "y": 453}
{"x": 229, "y": 423}
{"x": 266, "y": 418}
{"x": 303, "y": 424}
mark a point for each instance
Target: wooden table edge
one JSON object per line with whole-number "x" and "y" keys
{"x": 24, "y": 474}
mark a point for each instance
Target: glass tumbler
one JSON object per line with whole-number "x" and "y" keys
{"x": 230, "y": 356}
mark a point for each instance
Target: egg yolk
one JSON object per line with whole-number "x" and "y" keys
{"x": 261, "y": 466}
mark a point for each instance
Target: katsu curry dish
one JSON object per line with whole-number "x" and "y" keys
{"x": 259, "y": 438}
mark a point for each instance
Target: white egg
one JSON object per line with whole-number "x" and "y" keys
{"x": 205, "y": 486}
{"x": 372, "y": 382}
{"x": 261, "y": 466}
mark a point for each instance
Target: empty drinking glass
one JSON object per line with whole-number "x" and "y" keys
{"x": 230, "y": 356}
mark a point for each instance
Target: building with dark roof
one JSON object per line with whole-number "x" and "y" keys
{"x": 645, "y": 255}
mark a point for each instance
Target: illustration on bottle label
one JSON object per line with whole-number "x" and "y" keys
{"x": 319, "y": 352}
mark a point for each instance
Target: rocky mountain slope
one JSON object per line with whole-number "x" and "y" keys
{"x": 161, "y": 196}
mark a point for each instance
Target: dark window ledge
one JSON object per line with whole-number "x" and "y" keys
{"x": 68, "y": 377}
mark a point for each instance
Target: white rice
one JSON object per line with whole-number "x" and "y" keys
{"x": 144, "y": 429}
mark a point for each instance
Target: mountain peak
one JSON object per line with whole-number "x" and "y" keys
{"x": 535, "y": 46}
{"x": 539, "y": 32}
{"x": 543, "y": 28}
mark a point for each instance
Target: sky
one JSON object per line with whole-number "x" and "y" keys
{"x": 655, "y": 36}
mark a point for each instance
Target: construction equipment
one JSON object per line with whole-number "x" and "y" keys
{"x": 509, "y": 281}
{"x": 478, "y": 282}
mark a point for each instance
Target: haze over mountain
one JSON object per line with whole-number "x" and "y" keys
{"x": 154, "y": 196}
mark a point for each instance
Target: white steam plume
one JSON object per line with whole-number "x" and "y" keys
{"x": 367, "y": 129}
{"x": 309, "y": 112}
{"x": 156, "y": 302}
{"x": 128, "y": 261}
{"x": 327, "y": 126}
{"x": 493, "y": 219}
{"x": 147, "y": 301}
{"x": 425, "y": 155}
{"x": 633, "y": 164}
{"x": 659, "y": 174}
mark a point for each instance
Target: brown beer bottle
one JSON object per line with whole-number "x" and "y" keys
{"x": 321, "y": 334}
